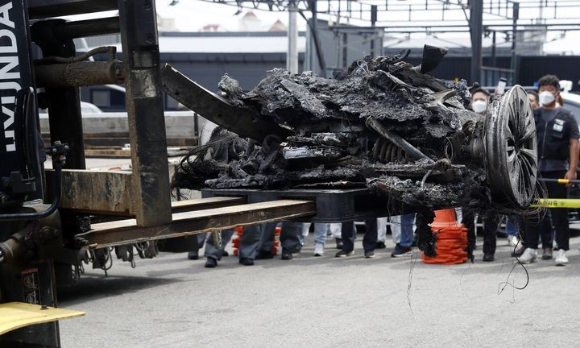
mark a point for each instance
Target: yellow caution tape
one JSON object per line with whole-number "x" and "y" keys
{"x": 16, "y": 315}
{"x": 557, "y": 203}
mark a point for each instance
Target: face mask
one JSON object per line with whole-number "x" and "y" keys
{"x": 546, "y": 98}
{"x": 479, "y": 106}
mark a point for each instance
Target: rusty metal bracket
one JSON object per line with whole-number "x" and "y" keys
{"x": 194, "y": 222}
{"x": 80, "y": 74}
{"x": 245, "y": 123}
{"x": 110, "y": 193}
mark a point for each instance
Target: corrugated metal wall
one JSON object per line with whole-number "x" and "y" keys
{"x": 565, "y": 67}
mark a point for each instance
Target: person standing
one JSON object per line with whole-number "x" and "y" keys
{"x": 321, "y": 231}
{"x": 214, "y": 253}
{"x": 534, "y": 99}
{"x": 479, "y": 103}
{"x": 291, "y": 238}
{"x": 557, "y": 134}
{"x": 402, "y": 229}
{"x": 348, "y": 234}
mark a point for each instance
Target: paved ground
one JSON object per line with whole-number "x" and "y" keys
{"x": 326, "y": 302}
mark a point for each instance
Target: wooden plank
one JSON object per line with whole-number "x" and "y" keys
{"x": 194, "y": 222}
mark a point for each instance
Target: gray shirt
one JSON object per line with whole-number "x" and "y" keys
{"x": 548, "y": 115}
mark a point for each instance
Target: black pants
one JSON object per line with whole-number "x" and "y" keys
{"x": 490, "y": 224}
{"x": 348, "y": 235}
{"x": 559, "y": 218}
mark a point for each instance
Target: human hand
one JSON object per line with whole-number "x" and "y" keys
{"x": 570, "y": 175}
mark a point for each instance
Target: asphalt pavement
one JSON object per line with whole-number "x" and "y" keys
{"x": 324, "y": 301}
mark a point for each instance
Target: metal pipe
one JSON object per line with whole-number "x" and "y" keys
{"x": 373, "y": 24}
{"x": 493, "y": 48}
{"x": 292, "y": 53}
{"x": 51, "y": 209}
{"x": 13, "y": 247}
{"x": 80, "y": 74}
{"x": 476, "y": 33}
{"x": 397, "y": 140}
{"x": 560, "y": 181}
{"x": 514, "y": 60}
{"x": 91, "y": 27}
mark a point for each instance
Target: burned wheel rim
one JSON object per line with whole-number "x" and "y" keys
{"x": 511, "y": 149}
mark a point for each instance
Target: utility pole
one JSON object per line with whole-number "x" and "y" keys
{"x": 514, "y": 63}
{"x": 292, "y": 53}
{"x": 476, "y": 32}
{"x": 493, "y": 47}
{"x": 374, "y": 10}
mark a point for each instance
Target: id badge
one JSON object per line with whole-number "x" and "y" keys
{"x": 558, "y": 129}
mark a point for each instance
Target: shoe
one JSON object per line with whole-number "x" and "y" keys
{"x": 264, "y": 255}
{"x": 210, "y": 262}
{"x": 225, "y": 254}
{"x": 380, "y": 245}
{"x": 401, "y": 251}
{"x": 369, "y": 254}
{"x": 519, "y": 251}
{"x": 529, "y": 255}
{"x": 561, "y": 259}
{"x": 547, "y": 254}
{"x": 318, "y": 249}
{"x": 488, "y": 257}
{"x": 343, "y": 253}
{"x": 246, "y": 262}
{"x": 296, "y": 250}
{"x": 338, "y": 243}
{"x": 513, "y": 241}
{"x": 286, "y": 255}
{"x": 193, "y": 255}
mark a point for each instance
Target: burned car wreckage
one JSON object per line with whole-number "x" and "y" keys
{"x": 382, "y": 125}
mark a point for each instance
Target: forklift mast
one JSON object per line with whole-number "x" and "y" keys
{"x": 45, "y": 215}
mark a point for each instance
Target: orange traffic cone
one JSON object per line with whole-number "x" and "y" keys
{"x": 277, "y": 232}
{"x": 236, "y": 241}
{"x": 451, "y": 240}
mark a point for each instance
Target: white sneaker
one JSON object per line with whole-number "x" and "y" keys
{"x": 561, "y": 259}
{"x": 529, "y": 255}
{"x": 512, "y": 241}
{"x": 318, "y": 249}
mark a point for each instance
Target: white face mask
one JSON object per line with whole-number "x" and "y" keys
{"x": 479, "y": 106}
{"x": 546, "y": 98}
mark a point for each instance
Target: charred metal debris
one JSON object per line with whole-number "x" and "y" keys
{"x": 381, "y": 124}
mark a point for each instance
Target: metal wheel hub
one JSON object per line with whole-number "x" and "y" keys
{"x": 511, "y": 149}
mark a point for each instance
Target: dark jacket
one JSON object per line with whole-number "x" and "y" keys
{"x": 554, "y": 136}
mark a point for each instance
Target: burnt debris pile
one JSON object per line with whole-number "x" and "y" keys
{"x": 381, "y": 123}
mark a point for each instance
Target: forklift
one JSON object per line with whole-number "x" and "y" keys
{"x": 47, "y": 216}
{"x": 51, "y": 219}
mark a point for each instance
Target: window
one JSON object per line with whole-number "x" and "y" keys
{"x": 170, "y": 103}
{"x": 101, "y": 98}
